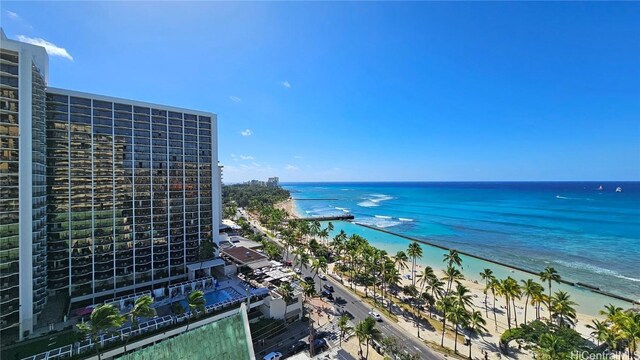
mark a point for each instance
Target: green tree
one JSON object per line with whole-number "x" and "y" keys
{"x": 475, "y": 325}
{"x": 366, "y": 331}
{"x": 343, "y": 326}
{"x": 562, "y": 309}
{"x": 286, "y": 291}
{"x": 553, "y": 347}
{"x": 445, "y": 305}
{"x": 104, "y": 318}
{"x": 196, "y": 302}
{"x": 530, "y": 289}
{"x": 452, "y": 258}
{"x": 600, "y": 330}
{"x": 452, "y": 274}
{"x": 458, "y": 316}
{"x": 414, "y": 251}
{"x": 548, "y": 275}
{"x": 141, "y": 309}
{"x": 486, "y": 275}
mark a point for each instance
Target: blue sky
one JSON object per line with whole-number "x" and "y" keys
{"x": 370, "y": 91}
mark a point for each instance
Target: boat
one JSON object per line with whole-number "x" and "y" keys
{"x": 600, "y": 188}
{"x": 618, "y": 189}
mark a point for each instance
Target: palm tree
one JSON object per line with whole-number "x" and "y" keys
{"x": 529, "y": 289}
{"x": 196, "y": 303}
{"x": 318, "y": 264}
{"x": 548, "y": 275}
{"x": 494, "y": 287}
{"x": 475, "y": 325}
{"x": 611, "y": 312}
{"x": 600, "y": 330}
{"x": 414, "y": 251}
{"x": 314, "y": 228}
{"x": 562, "y": 308}
{"x": 141, "y": 308}
{"x": 486, "y": 275}
{"x": 453, "y": 257}
{"x": 462, "y": 296}
{"x": 444, "y": 305}
{"x": 394, "y": 279}
{"x": 343, "y": 326}
{"x": 400, "y": 260}
{"x": 412, "y": 292}
{"x": 104, "y": 318}
{"x": 424, "y": 279}
{"x": 366, "y": 331}
{"x": 436, "y": 287}
{"x": 452, "y": 274}
{"x": 458, "y": 315}
{"x": 629, "y": 325}
{"x": 286, "y": 291}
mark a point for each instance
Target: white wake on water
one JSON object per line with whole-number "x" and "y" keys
{"x": 595, "y": 269}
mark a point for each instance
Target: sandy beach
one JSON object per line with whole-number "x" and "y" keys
{"x": 488, "y": 342}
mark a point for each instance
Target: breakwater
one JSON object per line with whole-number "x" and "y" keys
{"x": 585, "y": 286}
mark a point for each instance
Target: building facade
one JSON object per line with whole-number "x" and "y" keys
{"x": 23, "y": 275}
{"x": 101, "y": 196}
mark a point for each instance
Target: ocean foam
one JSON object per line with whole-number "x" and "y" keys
{"x": 382, "y": 217}
{"x": 344, "y": 210}
{"x": 595, "y": 269}
{"x": 368, "y": 203}
{"x": 405, "y": 219}
{"x": 379, "y": 222}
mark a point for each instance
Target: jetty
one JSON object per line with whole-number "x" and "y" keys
{"x": 315, "y": 199}
{"x": 589, "y": 287}
{"x": 326, "y": 218}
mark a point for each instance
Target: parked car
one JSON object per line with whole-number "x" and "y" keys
{"x": 319, "y": 344}
{"x": 327, "y": 294}
{"x": 308, "y": 279}
{"x": 322, "y": 276}
{"x": 273, "y": 356}
{"x": 375, "y": 315}
{"x": 297, "y": 347}
{"x": 328, "y": 287}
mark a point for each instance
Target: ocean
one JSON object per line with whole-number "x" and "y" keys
{"x": 587, "y": 233}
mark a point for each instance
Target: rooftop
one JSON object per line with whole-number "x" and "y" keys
{"x": 243, "y": 255}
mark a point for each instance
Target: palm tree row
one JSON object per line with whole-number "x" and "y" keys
{"x": 620, "y": 330}
{"x": 374, "y": 269}
{"x": 106, "y": 319}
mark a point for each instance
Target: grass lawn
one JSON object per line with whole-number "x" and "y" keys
{"x": 36, "y": 346}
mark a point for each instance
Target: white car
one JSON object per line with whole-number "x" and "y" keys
{"x": 322, "y": 276}
{"x": 375, "y": 315}
{"x": 273, "y": 356}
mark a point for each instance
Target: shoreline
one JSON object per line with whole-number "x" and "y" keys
{"x": 582, "y": 285}
{"x": 291, "y": 208}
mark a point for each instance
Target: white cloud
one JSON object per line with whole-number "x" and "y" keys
{"x": 52, "y": 49}
{"x": 297, "y": 157}
{"x": 246, "y": 157}
{"x": 12, "y": 14}
{"x": 235, "y": 99}
{"x": 286, "y": 84}
{"x": 246, "y": 132}
{"x": 290, "y": 167}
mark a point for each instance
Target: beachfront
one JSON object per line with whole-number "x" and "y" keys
{"x": 587, "y": 311}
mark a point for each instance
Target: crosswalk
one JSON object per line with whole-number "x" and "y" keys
{"x": 333, "y": 336}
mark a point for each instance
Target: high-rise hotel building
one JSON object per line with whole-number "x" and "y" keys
{"x": 99, "y": 196}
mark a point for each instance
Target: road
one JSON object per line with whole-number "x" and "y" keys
{"x": 360, "y": 310}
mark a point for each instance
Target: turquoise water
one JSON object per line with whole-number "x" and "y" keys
{"x": 588, "y": 235}
{"x": 211, "y": 298}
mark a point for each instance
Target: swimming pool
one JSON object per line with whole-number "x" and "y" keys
{"x": 213, "y": 297}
